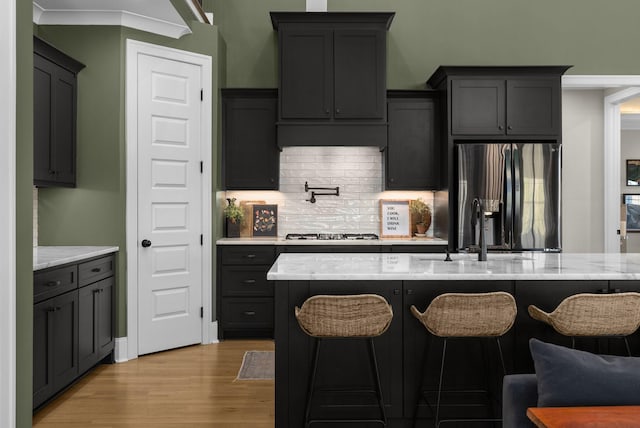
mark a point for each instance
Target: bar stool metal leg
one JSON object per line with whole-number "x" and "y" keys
{"x": 438, "y": 421}
{"x": 444, "y": 352}
{"x": 626, "y": 343}
{"x": 376, "y": 376}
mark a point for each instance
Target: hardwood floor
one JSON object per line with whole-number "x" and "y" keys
{"x": 188, "y": 387}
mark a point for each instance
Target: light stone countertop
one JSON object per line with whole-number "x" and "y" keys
{"x": 501, "y": 266}
{"x": 282, "y": 241}
{"x": 46, "y": 257}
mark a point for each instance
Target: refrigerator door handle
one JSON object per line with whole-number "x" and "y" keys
{"x": 508, "y": 196}
{"x": 517, "y": 184}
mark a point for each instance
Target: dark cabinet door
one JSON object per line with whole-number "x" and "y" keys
{"x": 359, "y": 86}
{"x": 465, "y": 368}
{"x": 106, "y": 318}
{"x": 516, "y": 106}
{"x": 547, "y": 295}
{"x": 95, "y": 334}
{"x": 43, "y": 77}
{"x": 55, "y": 345}
{"x": 411, "y": 155}
{"x": 477, "y": 107}
{"x": 306, "y": 73}
{"x": 332, "y": 74}
{"x": 250, "y": 154}
{"x": 64, "y": 339}
{"x": 42, "y": 363}
{"x": 54, "y": 124}
{"x": 533, "y": 107}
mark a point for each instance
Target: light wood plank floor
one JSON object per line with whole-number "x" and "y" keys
{"x": 188, "y": 387}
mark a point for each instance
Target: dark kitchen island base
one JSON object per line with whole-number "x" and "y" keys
{"x": 400, "y": 350}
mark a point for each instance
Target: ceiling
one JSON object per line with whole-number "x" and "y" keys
{"x": 154, "y": 16}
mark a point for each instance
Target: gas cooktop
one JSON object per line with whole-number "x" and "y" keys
{"x": 331, "y": 236}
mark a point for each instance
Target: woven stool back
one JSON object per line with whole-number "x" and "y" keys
{"x": 593, "y": 315}
{"x": 360, "y": 315}
{"x": 469, "y": 314}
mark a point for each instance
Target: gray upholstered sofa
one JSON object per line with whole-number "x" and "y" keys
{"x": 519, "y": 391}
{"x": 569, "y": 377}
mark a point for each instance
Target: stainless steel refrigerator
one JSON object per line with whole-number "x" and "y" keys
{"x": 518, "y": 185}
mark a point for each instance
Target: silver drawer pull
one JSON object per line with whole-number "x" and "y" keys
{"x": 249, "y": 281}
{"x": 53, "y": 283}
{"x": 96, "y": 270}
{"x": 249, "y": 313}
{"x": 251, "y": 256}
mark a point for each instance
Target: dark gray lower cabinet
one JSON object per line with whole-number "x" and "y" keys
{"x": 96, "y": 323}
{"x": 72, "y": 330}
{"x": 55, "y": 345}
{"x": 244, "y": 296}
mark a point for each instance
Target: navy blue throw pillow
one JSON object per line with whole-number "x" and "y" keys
{"x": 569, "y": 377}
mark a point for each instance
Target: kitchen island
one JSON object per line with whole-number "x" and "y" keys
{"x": 543, "y": 279}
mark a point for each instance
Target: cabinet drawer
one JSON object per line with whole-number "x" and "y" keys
{"x": 246, "y": 281}
{"x": 243, "y": 313}
{"x": 50, "y": 283}
{"x": 95, "y": 270}
{"x": 244, "y": 255}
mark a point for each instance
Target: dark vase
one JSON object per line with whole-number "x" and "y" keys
{"x": 233, "y": 229}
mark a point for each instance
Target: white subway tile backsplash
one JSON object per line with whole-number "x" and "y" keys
{"x": 358, "y": 173}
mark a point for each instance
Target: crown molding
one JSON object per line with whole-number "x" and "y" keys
{"x": 599, "y": 81}
{"x": 116, "y": 17}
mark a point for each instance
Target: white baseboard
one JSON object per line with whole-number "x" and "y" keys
{"x": 120, "y": 351}
{"x": 213, "y": 332}
{"x": 121, "y": 346}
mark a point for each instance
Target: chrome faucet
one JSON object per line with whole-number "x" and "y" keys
{"x": 478, "y": 209}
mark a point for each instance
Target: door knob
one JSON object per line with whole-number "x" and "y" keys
{"x": 146, "y": 243}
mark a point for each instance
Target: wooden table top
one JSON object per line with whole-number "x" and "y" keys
{"x": 581, "y": 417}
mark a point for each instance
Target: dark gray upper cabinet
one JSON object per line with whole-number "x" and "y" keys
{"x": 502, "y": 101}
{"x": 411, "y": 158}
{"x": 332, "y": 78}
{"x": 54, "y": 116}
{"x": 250, "y": 155}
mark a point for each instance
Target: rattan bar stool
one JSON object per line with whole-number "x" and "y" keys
{"x": 594, "y": 315}
{"x": 465, "y": 315}
{"x": 362, "y": 316}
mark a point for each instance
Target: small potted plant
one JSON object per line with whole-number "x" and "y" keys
{"x": 421, "y": 215}
{"x": 234, "y": 215}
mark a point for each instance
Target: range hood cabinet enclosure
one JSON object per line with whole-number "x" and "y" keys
{"x": 332, "y": 78}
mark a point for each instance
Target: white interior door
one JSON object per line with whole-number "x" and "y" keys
{"x": 169, "y": 204}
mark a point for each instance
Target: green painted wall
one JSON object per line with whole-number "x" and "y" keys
{"x": 591, "y": 35}
{"x": 24, "y": 213}
{"x": 93, "y": 212}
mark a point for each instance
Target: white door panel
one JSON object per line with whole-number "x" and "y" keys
{"x": 169, "y": 204}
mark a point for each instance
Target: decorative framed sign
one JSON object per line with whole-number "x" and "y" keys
{"x": 265, "y": 220}
{"x": 395, "y": 218}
